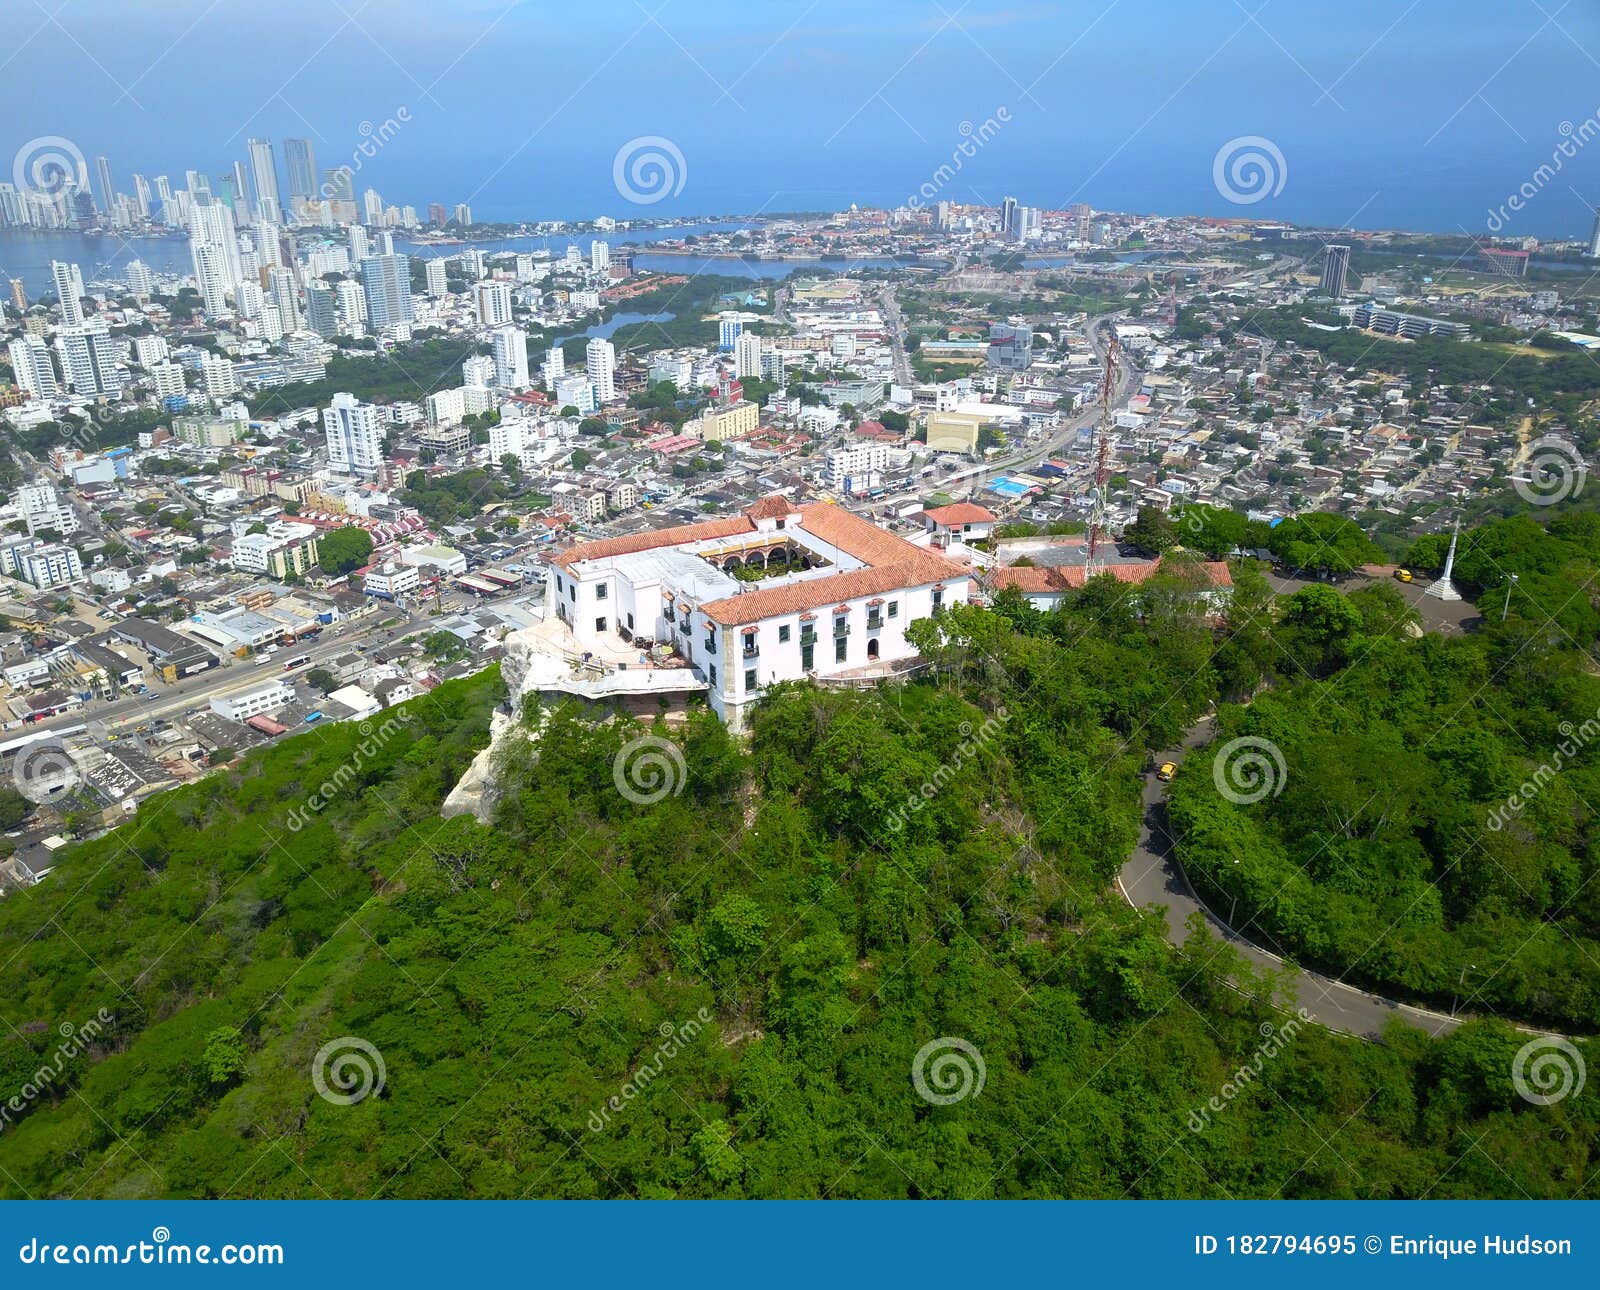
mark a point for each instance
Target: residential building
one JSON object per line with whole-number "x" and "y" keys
{"x": 354, "y": 436}
{"x": 44, "y": 564}
{"x": 857, "y": 467}
{"x": 1335, "y": 266}
{"x": 731, "y": 421}
{"x": 386, "y": 284}
{"x": 286, "y": 549}
{"x": 35, "y": 372}
{"x": 510, "y": 358}
{"x": 492, "y": 302}
{"x": 747, "y": 356}
{"x": 600, "y": 364}
{"x": 89, "y": 358}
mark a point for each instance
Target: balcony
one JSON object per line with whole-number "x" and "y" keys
{"x": 874, "y": 621}
{"x": 808, "y": 637}
{"x": 841, "y": 628}
{"x": 751, "y": 650}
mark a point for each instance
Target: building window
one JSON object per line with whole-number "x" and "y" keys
{"x": 572, "y": 592}
{"x": 749, "y": 678}
{"x": 600, "y": 591}
{"x": 599, "y": 624}
{"x": 630, "y": 622}
{"x": 783, "y": 634}
{"x": 808, "y": 656}
{"x": 839, "y": 647}
{"x": 938, "y": 601}
{"x": 749, "y": 644}
{"x": 712, "y": 672}
{"x": 894, "y": 609}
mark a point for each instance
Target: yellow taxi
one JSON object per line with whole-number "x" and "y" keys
{"x": 1402, "y": 575}
{"x": 1166, "y": 771}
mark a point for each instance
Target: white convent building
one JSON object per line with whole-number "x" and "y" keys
{"x": 839, "y": 613}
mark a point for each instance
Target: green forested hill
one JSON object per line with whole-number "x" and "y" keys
{"x": 724, "y": 992}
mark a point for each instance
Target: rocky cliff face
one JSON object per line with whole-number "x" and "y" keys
{"x": 476, "y": 793}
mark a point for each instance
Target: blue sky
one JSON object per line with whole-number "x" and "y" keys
{"x": 1424, "y": 114}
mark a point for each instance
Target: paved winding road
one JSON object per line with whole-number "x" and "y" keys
{"x": 1153, "y": 876}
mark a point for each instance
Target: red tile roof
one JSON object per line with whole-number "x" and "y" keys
{"x": 795, "y": 597}
{"x": 960, "y": 513}
{"x": 1044, "y": 580}
{"x": 653, "y": 541}
{"x": 770, "y": 508}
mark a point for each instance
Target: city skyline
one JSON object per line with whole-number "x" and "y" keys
{"x": 1428, "y": 117}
